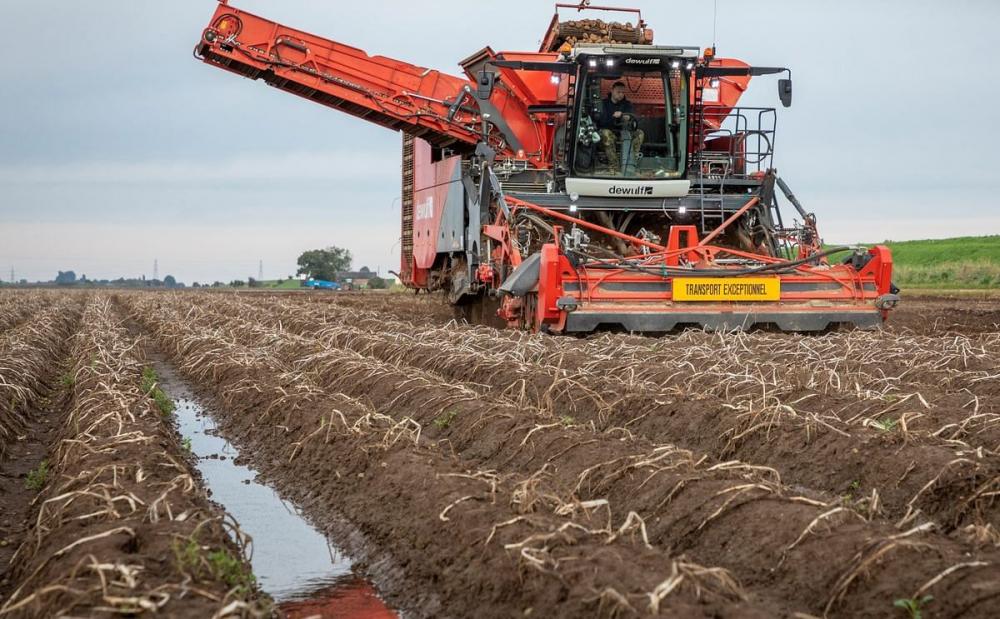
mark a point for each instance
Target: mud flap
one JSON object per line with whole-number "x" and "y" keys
{"x": 524, "y": 278}
{"x": 479, "y": 310}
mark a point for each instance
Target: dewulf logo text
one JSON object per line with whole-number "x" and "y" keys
{"x": 615, "y": 190}
{"x": 425, "y": 210}
{"x": 642, "y": 61}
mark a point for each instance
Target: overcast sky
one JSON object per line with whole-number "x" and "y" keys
{"x": 118, "y": 148}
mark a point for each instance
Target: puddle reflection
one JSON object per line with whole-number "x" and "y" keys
{"x": 343, "y": 598}
{"x": 294, "y": 563}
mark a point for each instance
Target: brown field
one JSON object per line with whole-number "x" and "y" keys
{"x": 475, "y": 472}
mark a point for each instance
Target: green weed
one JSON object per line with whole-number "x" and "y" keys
{"x": 186, "y": 445}
{"x": 150, "y": 386}
{"x": 885, "y": 425}
{"x": 149, "y": 379}
{"x": 853, "y": 489}
{"x": 192, "y": 559}
{"x": 444, "y": 419}
{"x": 231, "y": 570}
{"x": 67, "y": 380}
{"x": 913, "y": 606}
{"x": 188, "y": 556}
{"x": 37, "y": 478}
{"x": 567, "y": 421}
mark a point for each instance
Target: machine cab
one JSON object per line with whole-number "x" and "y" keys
{"x": 627, "y": 135}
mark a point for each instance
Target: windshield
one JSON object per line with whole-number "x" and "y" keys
{"x": 632, "y": 125}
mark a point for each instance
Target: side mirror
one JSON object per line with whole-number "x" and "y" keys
{"x": 785, "y": 92}
{"x": 484, "y": 85}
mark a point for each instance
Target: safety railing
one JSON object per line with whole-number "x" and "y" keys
{"x": 731, "y": 144}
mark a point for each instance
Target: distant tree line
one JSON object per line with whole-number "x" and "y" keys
{"x": 330, "y": 264}
{"x": 69, "y": 278}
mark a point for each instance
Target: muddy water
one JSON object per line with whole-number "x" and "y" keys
{"x": 294, "y": 563}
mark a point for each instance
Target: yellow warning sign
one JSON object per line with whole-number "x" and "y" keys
{"x": 727, "y": 289}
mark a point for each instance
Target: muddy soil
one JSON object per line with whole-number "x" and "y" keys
{"x": 408, "y": 499}
{"x": 116, "y": 522}
{"x": 938, "y": 315}
{"x": 929, "y": 315}
{"x": 475, "y": 472}
{"x": 24, "y": 458}
{"x": 495, "y": 436}
{"x": 821, "y": 445}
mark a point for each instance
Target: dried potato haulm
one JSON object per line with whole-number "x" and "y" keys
{"x": 121, "y": 526}
{"x": 29, "y": 353}
{"x": 473, "y": 542}
{"x": 795, "y": 407}
{"x": 819, "y": 556}
{"x": 15, "y": 307}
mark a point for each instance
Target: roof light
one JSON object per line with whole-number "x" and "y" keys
{"x": 682, "y": 210}
{"x": 689, "y": 66}
{"x": 611, "y": 62}
{"x": 555, "y": 79}
{"x": 675, "y": 64}
{"x": 593, "y": 62}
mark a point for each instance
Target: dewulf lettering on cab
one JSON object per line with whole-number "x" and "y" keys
{"x": 616, "y": 190}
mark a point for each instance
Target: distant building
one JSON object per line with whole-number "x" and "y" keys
{"x": 356, "y": 279}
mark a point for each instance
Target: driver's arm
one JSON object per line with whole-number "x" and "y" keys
{"x": 606, "y": 118}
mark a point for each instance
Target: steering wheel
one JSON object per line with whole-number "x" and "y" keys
{"x": 628, "y": 121}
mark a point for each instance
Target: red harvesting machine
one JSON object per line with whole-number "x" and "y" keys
{"x": 600, "y": 182}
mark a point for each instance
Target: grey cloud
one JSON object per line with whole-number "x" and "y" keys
{"x": 105, "y": 114}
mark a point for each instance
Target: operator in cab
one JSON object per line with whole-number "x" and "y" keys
{"x": 617, "y": 114}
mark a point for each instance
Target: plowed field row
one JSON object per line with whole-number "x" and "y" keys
{"x": 121, "y": 526}
{"x": 15, "y": 309}
{"x": 28, "y": 353}
{"x": 823, "y": 557}
{"x": 901, "y": 473}
{"x": 474, "y": 541}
